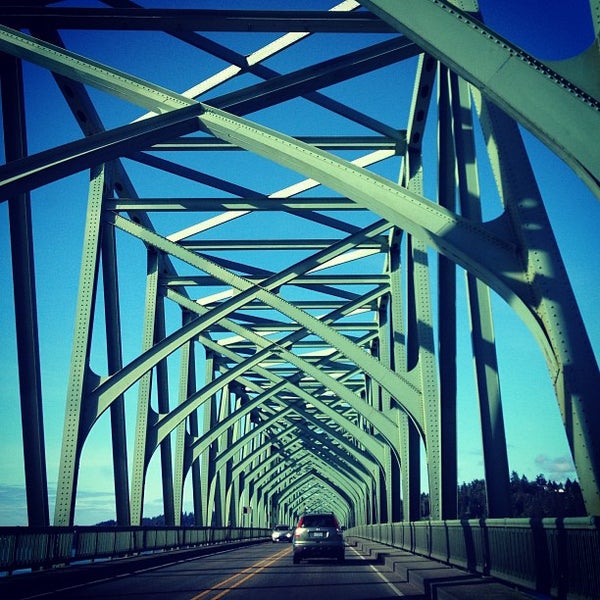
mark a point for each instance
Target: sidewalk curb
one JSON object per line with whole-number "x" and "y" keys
{"x": 436, "y": 580}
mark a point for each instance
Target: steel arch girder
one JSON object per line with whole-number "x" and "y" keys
{"x": 361, "y": 461}
{"x": 502, "y": 71}
{"x": 259, "y": 474}
{"x": 337, "y": 466}
{"x": 368, "y": 464}
{"x": 385, "y": 425}
{"x": 454, "y": 237}
{"x": 314, "y": 475}
{"x": 475, "y": 246}
{"x": 222, "y": 458}
{"x": 247, "y": 364}
{"x": 110, "y": 388}
{"x": 441, "y": 229}
{"x": 344, "y": 483}
{"x": 374, "y": 446}
{"x": 256, "y": 472}
{"x": 493, "y": 260}
{"x": 307, "y": 439}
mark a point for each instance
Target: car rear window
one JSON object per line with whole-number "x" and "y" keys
{"x": 319, "y": 521}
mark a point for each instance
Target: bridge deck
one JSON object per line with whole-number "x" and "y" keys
{"x": 428, "y": 577}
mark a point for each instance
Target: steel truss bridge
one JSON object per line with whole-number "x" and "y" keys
{"x": 278, "y": 201}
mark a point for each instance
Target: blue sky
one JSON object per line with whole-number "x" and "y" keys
{"x": 536, "y": 439}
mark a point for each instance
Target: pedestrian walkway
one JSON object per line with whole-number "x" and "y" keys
{"x": 437, "y": 580}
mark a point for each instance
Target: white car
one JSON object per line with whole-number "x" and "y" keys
{"x": 282, "y": 533}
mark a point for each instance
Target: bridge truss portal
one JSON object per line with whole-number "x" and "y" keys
{"x": 278, "y": 201}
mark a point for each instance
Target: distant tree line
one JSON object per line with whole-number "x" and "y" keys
{"x": 538, "y": 498}
{"x": 187, "y": 520}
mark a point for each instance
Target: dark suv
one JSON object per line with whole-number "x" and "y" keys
{"x": 318, "y": 535}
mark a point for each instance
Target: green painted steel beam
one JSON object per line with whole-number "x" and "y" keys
{"x": 333, "y": 452}
{"x": 178, "y": 20}
{"x": 499, "y": 254}
{"x": 409, "y": 396}
{"x": 201, "y": 443}
{"x": 144, "y": 445}
{"x": 444, "y": 231}
{"x": 282, "y": 327}
{"x": 554, "y": 318}
{"x": 309, "y": 481}
{"x": 231, "y": 451}
{"x": 315, "y": 304}
{"x": 522, "y": 86}
{"x": 308, "y": 79}
{"x": 246, "y": 365}
{"x": 373, "y": 445}
{"x": 50, "y": 165}
{"x": 25, "y": 302}
{"x": 361, "y": 460}
{"x": 76, "y": 428}
{"x": 290, "y": 244}
{"x": 258, "y": 203}
{"x": 447, "y": 296}
{"x": 495, "y": 451}
{"x": 331, "y": 142}
{"x": 334, "y": 479}
{"x": 208, "y": 280}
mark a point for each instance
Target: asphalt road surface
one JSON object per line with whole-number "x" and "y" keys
{"x": 263, "y": 571}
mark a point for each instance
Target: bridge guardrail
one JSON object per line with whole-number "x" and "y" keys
{"x": 559, "y": 557}
{"x": 33, "y": 548}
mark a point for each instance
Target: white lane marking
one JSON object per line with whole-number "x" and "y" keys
{"x": 381, "y": 575}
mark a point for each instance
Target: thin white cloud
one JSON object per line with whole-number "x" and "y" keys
{"x": 559, "y": 468}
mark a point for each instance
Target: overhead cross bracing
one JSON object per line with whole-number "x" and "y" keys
{"x": 277, "y": 204}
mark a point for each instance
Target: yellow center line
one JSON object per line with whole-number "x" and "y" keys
{"x": 252, "y": 570}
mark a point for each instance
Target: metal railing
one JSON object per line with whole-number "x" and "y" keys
{"x": 32, "y": 548}
{"x": 558, "y": 557}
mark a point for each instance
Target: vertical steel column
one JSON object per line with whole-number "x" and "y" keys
{"x": 182, "y": 441}
{"x": 555, "y": 318}
{"x": 421, "y": 350}
{"x": 410, "y": 453}
{"x": 75, "y": 428}
{"x": 142, "y": 451}
{"x": 115, "y": 363}
{"x": 162, "y": 392}
{"x": 480, "y": 312}
{"x": 194, "y": 426}
{"x": 376, "y": 499}
{"x": 374, "y": 396}
{"x": 187, "y": 386}
{"x": 189, "y": 358}
{"x": 393, "y": 499}
{"x": 237, "y": 483}
{"x": 207, "y": 466}
{"x": 244, "y": 496}
{"x": 409, "y": 450}
{"x": 447, "y": 303}
{"x": 21, "y": 240}
{"x": 224, "y": 442}
{"x": 215, "y": 499}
